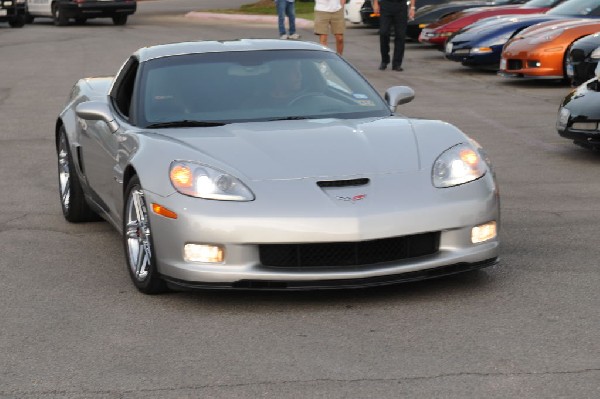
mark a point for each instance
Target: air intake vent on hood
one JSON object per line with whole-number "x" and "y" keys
{"x": 343, "y": 183}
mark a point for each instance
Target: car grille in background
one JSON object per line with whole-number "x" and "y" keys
{"x": 349, "y": 253}
{"x": 514, "y": 64}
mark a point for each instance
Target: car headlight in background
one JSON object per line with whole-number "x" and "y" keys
{"x": 546, "y": 37}
{"x": 595, "y": 55}
{"x": 202, "y": 181}
{"x": 486, "y": 46}
{"x": 563, "y": 118}
{"x": 457, "y": 165}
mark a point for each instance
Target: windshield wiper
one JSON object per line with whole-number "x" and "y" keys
{"x": 185, "y": 123}
{"x": 288, "y": 118}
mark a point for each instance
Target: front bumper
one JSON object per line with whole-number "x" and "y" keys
{"x": 9, "y": 10}
{"x": 465, "y": 54}
{"x": 98, "y": 9}
{"x": 519, "y": 61}
{"x": 241, "y": 228}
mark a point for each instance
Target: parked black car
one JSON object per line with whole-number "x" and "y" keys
{"x": 583, "y": 59}
{"x": 579, "y": 115}
{"x": 369, "y": 19}
{"x": 13, "y": 12}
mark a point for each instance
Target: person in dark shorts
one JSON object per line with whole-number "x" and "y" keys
{"x": 393, "y": 13}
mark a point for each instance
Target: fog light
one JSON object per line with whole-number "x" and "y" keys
{"x": 585, "y": 126}
{"x": 483, "y": 232}
{"x": 205, "y": 253}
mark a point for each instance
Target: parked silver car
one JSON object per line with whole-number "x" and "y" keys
{"x": 270, "y": 164}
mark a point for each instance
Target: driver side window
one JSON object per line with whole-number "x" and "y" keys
{"x": 122, "y": 92}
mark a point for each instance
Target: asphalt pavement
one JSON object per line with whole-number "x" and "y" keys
{"x": 73, "y": 326}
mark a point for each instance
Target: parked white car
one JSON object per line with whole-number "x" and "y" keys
{"x": 61, "y": 11}
{"x": 352, "y": 11}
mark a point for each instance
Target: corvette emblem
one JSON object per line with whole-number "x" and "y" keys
{"x": 358, "y": 197}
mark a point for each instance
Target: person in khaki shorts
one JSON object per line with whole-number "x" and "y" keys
{"x": 330, "y": 13}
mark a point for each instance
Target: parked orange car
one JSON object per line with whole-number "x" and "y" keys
{"x": 540, "y": 51}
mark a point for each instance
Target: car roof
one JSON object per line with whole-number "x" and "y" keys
{"x": 198, "y": 47}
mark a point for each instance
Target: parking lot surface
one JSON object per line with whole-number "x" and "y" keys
{"x": 73, "y": 326}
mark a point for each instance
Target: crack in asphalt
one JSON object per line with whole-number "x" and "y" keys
{"x": 318, "y": 380}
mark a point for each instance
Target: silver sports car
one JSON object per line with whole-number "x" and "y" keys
{"x": 270, "y": 164}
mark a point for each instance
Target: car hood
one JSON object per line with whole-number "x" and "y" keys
{"x": 299, "y": 149}
{"x": 548, "y": 27}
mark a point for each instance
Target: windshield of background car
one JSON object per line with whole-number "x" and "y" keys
{"x": 251, "y": 86}
{"x": 577, "y": 8}
{"x": 541, "y": 3}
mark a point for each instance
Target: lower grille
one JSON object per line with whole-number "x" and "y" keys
{"x": 349, "y": 253}
{"x": 511, "y": 65}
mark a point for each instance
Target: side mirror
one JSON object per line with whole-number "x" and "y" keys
{"x": 97, "y": 111}
{"x": 397, "y": 95}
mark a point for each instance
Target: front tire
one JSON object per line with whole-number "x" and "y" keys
{"x": 137, "y": 239}
{"x": 58, "y": 17}
{"x": 74, "y": 206}
{"x": 120, "y": 19}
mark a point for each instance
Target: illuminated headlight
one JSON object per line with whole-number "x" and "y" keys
{"x": 204, "y": 253}
{"x": 202, "y": 181}
{"x": 483, "y": 232}
{"x": 457, "y": 165}
{"x": 563, "y": 118}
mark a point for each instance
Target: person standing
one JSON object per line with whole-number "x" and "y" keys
{"x": 393, "y": 13}
{"x": 329, "y": 15}
{"x": 286, "y": 8}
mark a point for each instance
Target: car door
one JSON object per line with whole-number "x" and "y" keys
{"x": 100, "y": 145}
{"x": 39, "y": 7}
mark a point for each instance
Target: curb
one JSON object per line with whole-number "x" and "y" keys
{"x": 261, "y": 19}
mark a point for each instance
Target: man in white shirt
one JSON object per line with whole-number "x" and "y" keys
{"x": 330, "y": 14}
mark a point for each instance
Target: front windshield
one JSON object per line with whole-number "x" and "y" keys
{"x": 541, "y": 3}
{"x": 577, "y": 8}
{"x": 253, "y": 86}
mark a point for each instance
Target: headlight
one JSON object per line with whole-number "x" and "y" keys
{"x": 563, "y": 118}
{"x": 595, "y": 54}
{"x": 546, "y": 37}
{"x": 486, "y": 45}
{"x": 197, "y": 180}
{"x": 457, "y": 165}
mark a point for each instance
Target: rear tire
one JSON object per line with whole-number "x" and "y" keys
{"x": 137, "y": 240}
{"x": 58, "y": 17}
{"x": 74, "y": 206}
{"x": 120, "y": 19}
